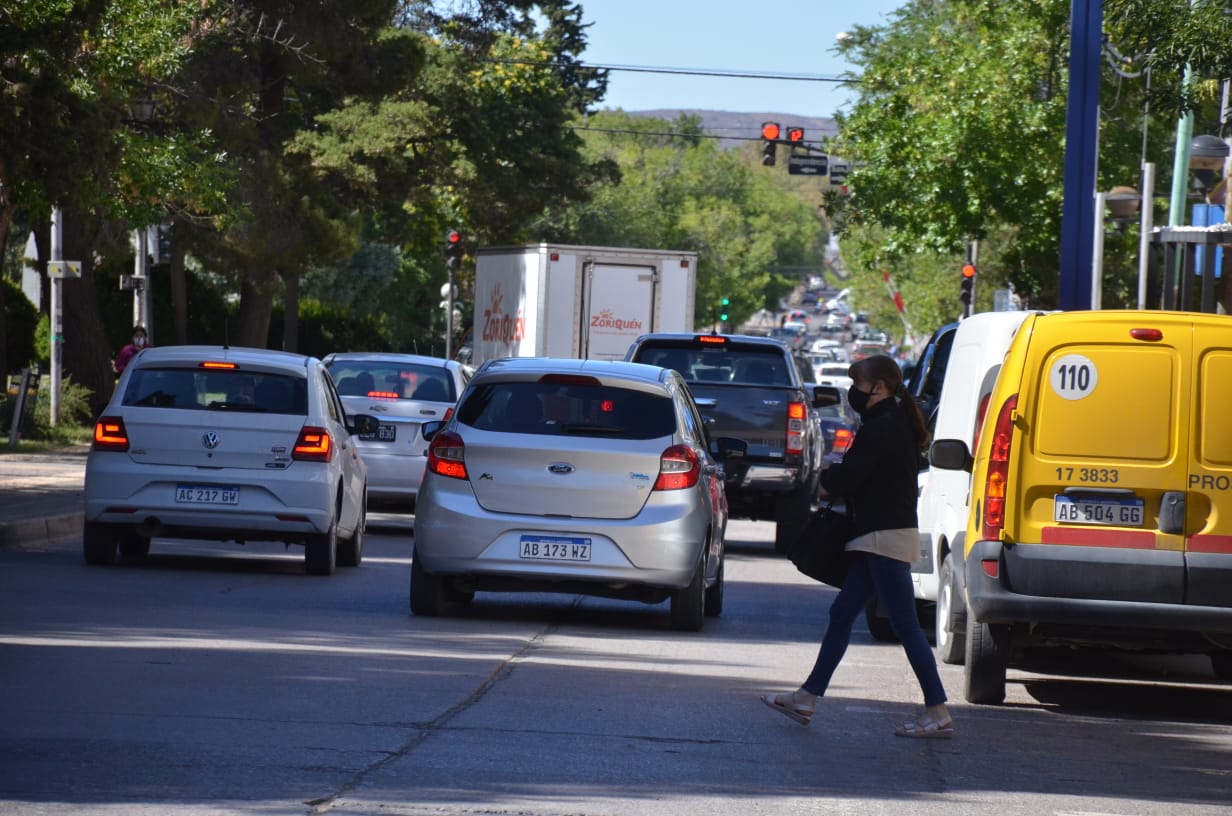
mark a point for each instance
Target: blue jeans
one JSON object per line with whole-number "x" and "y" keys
{"x": 891, "y": 581}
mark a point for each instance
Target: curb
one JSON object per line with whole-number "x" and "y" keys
{"x": 40, "y": 531}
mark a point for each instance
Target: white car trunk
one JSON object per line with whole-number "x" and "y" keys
{"x": 211, "y": 439}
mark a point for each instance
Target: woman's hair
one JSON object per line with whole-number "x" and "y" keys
{"x": 880, "y": 367}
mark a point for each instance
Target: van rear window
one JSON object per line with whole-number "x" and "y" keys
{"x": 1093, "y": 399}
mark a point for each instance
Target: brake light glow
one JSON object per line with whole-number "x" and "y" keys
{"x": 447, "y": 455}
{"x": 998, "y": 471}
{"x": 109, "y": 434}
{"x": 313, "y": 445}
{"x": 679, "y": 468}
{"x": 382, "y": 395}
{"x": 795, "y": 428}
{"x": 843, "y": 438}
{"x": 714, "y": 339}
{"x": 218, "y": 364}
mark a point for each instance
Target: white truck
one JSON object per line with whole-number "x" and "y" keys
{"x": 590, "y": 302}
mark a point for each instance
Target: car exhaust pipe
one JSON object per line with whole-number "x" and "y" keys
{"x": 150, "y": 528}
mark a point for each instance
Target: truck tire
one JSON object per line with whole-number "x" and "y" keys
{"x": 428, "y": 592}
{"x": 689, "y": 604}
{"x": 987, "y": 654}
{"x": 951, "y": 633}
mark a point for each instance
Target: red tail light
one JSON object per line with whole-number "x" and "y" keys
{"x": 448, "y": 413}
{"x": 391, "y": 395}
{"x": 678, "y": 468}
{"x": 109, "y": 434}
{"x": 998, "y": 471}
{"x": 447, "y": 455}
{"x": 314, "y": 445}
{"x": 843, "y": 438}
{"x": 795, "y": 428}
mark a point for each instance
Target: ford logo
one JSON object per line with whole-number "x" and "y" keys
{"x": 210, "y": 440}
{"x": 560, "y": 467}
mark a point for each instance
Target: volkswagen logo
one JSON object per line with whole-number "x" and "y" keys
{"x": 560, "y": 467}
{"x": 210, "y": 440}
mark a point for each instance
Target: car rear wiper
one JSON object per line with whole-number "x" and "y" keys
{"x": 614, "y": 430}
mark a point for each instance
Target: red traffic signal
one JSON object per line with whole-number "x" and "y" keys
{"x": 770, "y": 130}
{"x": 968, "y": 270}
{"x": 453, "y": 238}
{"x": 795, "y": 135}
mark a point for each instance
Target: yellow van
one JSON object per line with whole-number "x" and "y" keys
{"x": 1101, "y": 493}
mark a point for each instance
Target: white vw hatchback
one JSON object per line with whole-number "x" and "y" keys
{"x": 210, "y": 442}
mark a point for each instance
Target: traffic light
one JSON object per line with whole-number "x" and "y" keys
{"x": 162, "y": 245}
{"x": 723, "y": 304}
{"x": 769, "y": 142}
{"x": 967, "y": 286}
{"x": 453, "y": 249}
{"x": 795, "y": 135}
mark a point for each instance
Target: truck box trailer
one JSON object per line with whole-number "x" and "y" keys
{"x": 555, "y": 300}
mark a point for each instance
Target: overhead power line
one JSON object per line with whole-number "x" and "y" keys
{"x": 646, "y": 69}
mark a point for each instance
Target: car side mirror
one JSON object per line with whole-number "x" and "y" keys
{"x": 826, "y": 396}
{"x": 728, "y": 447}
{"x": 950, "y": 454}
{"x": 431, "y": 429}
{"x": 363, "y": 424}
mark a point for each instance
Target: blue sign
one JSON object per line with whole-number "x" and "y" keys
{"x": 1207, "y": 215}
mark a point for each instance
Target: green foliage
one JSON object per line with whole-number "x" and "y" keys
{"x": 680, "y": 191}
{"x": 20, "y": 320}
{"x": 324, "y": 328}
{"x": 75, "y": 413}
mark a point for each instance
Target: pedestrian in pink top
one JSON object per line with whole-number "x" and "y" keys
{"x": 129, "y": 351}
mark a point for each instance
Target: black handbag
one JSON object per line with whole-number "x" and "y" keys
{"x": 820, "y": 551}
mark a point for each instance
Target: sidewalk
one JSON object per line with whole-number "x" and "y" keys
{"x": 41, "y": 495}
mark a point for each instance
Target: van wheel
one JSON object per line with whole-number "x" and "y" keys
{"x": 714, "y": 594}
{"x": 878, "y": 622}
{"x": 987, "y": 653}
{"x": 951, "y": 617}
{"x": 1221, "y": 663}
{"x": 98, "y": 543}
{"x": 321, "y": 551}
{"x": 689, "y": 604}
{"x": 428, "y": 591}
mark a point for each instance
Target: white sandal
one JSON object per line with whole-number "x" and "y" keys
{"x": 786, "y": 704}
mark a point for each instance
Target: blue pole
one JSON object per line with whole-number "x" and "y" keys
{"x": 1081, "y": 154}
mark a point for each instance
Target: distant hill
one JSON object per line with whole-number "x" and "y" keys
{"x": 747, "y": 125}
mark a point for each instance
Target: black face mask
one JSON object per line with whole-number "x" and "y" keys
{"x": 858, "y": 399}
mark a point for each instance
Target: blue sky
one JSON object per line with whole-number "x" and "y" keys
{"x": 751, "y": 36}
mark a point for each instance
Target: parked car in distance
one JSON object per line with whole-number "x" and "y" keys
{"x": 580, "y": 476}
{"x": 402, "y": 391}
{"x": 210, "y": 442}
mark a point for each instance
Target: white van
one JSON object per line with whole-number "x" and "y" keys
{"x": 975, "y": 356}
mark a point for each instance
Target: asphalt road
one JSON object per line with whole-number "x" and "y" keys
{"x": 214, "y": 680}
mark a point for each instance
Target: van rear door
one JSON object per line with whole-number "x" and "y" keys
{"x": 1106, "y": 463}
{"x": 1208, "y": 549}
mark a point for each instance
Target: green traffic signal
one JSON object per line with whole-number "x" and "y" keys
{"x": 724, "y": 303}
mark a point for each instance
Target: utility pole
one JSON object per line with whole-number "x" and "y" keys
{"x": 1081, "y": 153}
{"x": 57, "y": 313}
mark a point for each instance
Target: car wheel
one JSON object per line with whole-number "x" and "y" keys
{"x": 714, "y": 594}
{"x": 986, "y": 658}
{"x": 133, "y": 545}
{"x": 689, "y": 604}
{"x": 427, "y": 591}
{"x": 351, "y": 550}
{"x": 321, "y": 551}
{"x": 98, "y": 543}
{"x": 951, "y": 618}
{"x": 459, "y": 596}
{"x": 878, "y": 624}
{"x": 1221, "y": 664}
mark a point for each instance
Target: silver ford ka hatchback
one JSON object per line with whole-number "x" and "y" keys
{"x": 575, "y": 476}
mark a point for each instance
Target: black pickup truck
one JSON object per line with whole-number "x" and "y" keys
{"x": 757, "y": 390}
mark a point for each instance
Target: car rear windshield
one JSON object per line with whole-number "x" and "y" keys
{"x": 556, "y": 409}
{"x": 218, "y": 390}
{"x": 721, "y": 363}
{"x": 392, "y": 380}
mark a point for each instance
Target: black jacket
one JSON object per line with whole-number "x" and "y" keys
{"x": 877, "y": 476}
